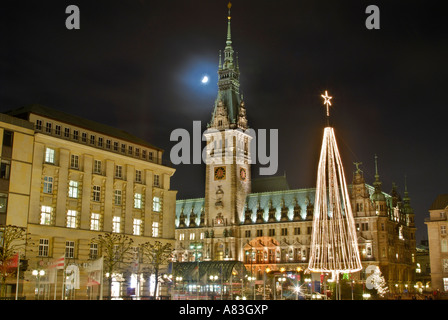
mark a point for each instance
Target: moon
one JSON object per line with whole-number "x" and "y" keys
{"x": 204, "y": 79}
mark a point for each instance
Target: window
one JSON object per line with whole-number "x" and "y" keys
{"x": 67, "y": 132}
{"x": 259, "y": 233}
{"x": 138, "y": 176}
{"x": 48, "y": 127}
{"x": 44, "y": 246}
{"x": 192, "y": 235}
{"x": 444, "y": 245}
{"x": 309, "y": 230}
{"x": 96, "y": 193}
{"x": 247, "y": 233}
{"x": 296, "y": 231}
{"x": 73, "y": 189}
{"x": 155, "y": 230}
{"x": 71, "y": 218}
{"x": 137, "y": 227}
{"x": 117, "y": 197}
{"x": 97, "y": 166}
{"x": 144, "y": 154}
{"x": 442, "y": 229}
{"x": 156, "y": 180}
{"x": 70, "y": 249}
{"x": 150, "y": 156}
{"x": 130, "y": 150}
{"x": 138, "y": 200}
{"x": 123, "y": 148}
{"x": 93, "y": 254}
{"x": 74, "y": 161}
{"x": 115, "y": 146}
{"x": 7, "y": 138}
{"x": 95, "y": 221}
{"x": 100, "y": 142}
{"x": 284, "y": 231}
{"x": 5, "y": 169}
{"x": 45, "y": 215}
{"x": 84, "y": 137}
{"x": 49, "y": 155}
{"x": 38, "y": 124}
{"x": 75, "y": 134}
{"x": 182, "y": 236}
{"x": 57, "y": 130}
{"x": 92, "y": 139}
{"x": 156, "y": 204}
{"x": 118, "y": 171}
{"x": 3, "y": 202}
{"x": 137, "y": 152}
{"x": 108, "y": 144}
{"x": 116, "y": 224}
{"x": 271, "y": 232}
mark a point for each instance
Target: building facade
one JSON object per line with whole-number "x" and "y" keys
{"x": 437, "y": 225}
{"x": 268, "y": 226}
{"x": 83, "y": 179}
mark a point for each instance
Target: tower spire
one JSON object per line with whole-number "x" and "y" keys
{"x": 229, "y": 33}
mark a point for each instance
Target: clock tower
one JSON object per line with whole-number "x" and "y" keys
{"x": 228, "y": 177}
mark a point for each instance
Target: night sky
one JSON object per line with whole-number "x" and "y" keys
{"x": 137, "y": 66}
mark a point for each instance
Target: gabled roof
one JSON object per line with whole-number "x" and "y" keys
{"x": 24, "y": 112}
{"x": 440, "y": 203}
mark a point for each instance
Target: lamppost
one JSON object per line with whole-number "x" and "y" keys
{"x": 250, "y": 280}
{"x": 196, "y": 246}
{"x": 281, "y": 280}
{"x": 38, "y": 274}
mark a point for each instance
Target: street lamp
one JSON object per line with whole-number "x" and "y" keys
{"x": 213, "y": 279}
{"x": 281, "y": 280}
{"x": 38, "y": 274}
{"x": 252, "y": 279}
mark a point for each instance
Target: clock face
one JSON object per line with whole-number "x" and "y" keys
{"x": 243, "y": 174}
{"x": 220, "y": 173}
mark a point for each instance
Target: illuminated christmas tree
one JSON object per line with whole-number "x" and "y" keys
{"x": 334, "y": 245}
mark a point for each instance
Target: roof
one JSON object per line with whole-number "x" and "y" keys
{"x": 57, "y": 115}
{"x": 441, "y": 202}
{"x": 268, "y": 184}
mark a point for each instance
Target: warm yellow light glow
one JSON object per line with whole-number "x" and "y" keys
{"x": 327, "y": 102}
{"x": 334, "y": 246}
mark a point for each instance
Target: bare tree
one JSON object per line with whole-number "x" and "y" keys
{"x": 12, "y": 239}
{"x": 156, "y": 255}
{"x": 117, "y": 251}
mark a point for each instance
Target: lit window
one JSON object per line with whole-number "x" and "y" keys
{"x": 444, "y": 245}
{"x": 117, "y": 197}
{"x": 138, "y": 200}
{"x": 192, "y": 236}
{"x": 71, "y": 218}
{"x": 95, "y": 222}
{"x": 45, "y": 215}
{"x": 48, "y": 185}
{"x": 70, "y": 249}
{"x": 49, "y": 155}
{"x": 156, "y": 204}
{"x": 137, "y": 227}
{"x": 44, "y": 246}
{"x": 155, "y": 229}
{"x": 73, "y": 189}
{"x": 116, "y": 224}
{"x": 96, "y": 193}
{"x": 182, "y": 236}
